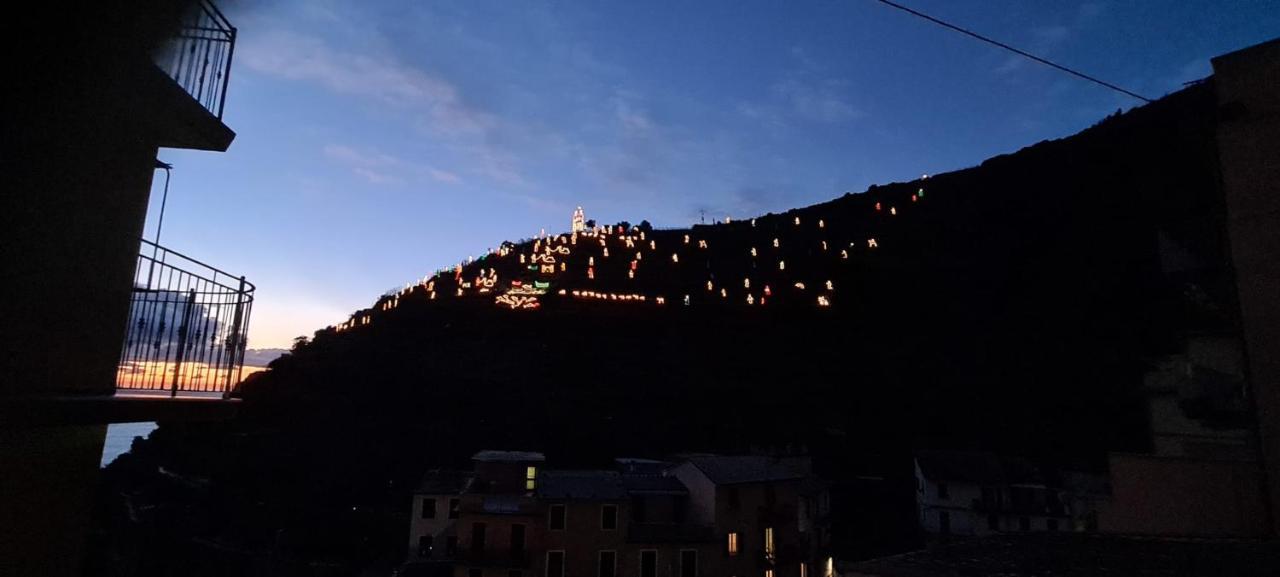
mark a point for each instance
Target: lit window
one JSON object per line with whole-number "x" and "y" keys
{"x": 733, "y": 544}
{"x": 804, "y": 569}
{"x": 768, "y": 543}
{"x": 530, "y": 478}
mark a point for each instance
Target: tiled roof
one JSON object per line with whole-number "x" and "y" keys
{"x": 1074, "y": 554}
{"x": 751, "y": 469}
{"x": 583, "y": 485}
{"x": 653, "y": 485}
{"x": 509, "y": 457}
{"x": 445, "y": 482}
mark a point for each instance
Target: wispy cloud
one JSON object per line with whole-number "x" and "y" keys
{"x": 816, "y": 100}
{"x": 372, "y": 166}
{"x": 443, "y": 176}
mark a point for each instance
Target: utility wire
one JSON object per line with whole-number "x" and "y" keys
{"x": 1012, "y": 49}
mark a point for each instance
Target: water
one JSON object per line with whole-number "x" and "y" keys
{"x": 120, "y": 437}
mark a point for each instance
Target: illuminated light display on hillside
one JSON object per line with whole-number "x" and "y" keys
{"x": 914, "y": 198}
{"x": 660, "y": 300}
{"x": 824, "y": 245}
{"x": 822, "y": 223}
{"x": 653, "y": 245}
{"x": 433, "y": 295}
{"x": 548, "y": 269}
{"x": 634, "y": 264}
{"x": 642, "y": 235}
{"x": 800, "y": 285}
{"x": 775, "y": 242}
{"x": 767, "y": 292}
{"x": 591, "y": 273}
{"x": 563, "y": 267}
{"x": 675, "y": 257}
{"x": 639, "y": 256}
{"x": 893, "y": 211}
{"x": 750, "y": 300}
{"x": 797, "y": 221}
{"x": 724, "y": 293}
{"x": 753, "y": 223}
{"x": 630, "y": 243}
{"x": 746, "y": 283}
{"x": 728, "y": 220}
{"x": 702, "y": 244}
{"x": 753, "y": 252}
{"x": 631, "y": 274}
{"x": 605, "y": 254}
{"x": 823, "y": 302}
{"x": 591, "y": 261}
{"x": 830, "y": 286}
{"x": 871, "y": 243}
{"x": 877, "y": 206}
{"x": 517, "y": 301}
{"x": 710, "y": 287}
{"x": 782, "y": 265}
{"x": 458, "y": 293}
{"x": 844, "y": 254}
{"x": 920, "y": 193}
{"x": 686, "y": 239}
{"x": 615, "y": 297}
{"x": 687, "y": 300}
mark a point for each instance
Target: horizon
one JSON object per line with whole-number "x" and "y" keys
{"x": 379, "y": 143}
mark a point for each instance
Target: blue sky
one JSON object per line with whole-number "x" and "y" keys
{"x": 379, "y": 141}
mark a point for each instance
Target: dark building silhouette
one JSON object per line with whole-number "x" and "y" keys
{"x": 93, "y": 91}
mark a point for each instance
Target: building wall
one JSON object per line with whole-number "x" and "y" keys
{"x": 702, "y": 494}
{"x": 583, "y": 537}
{"x": 1156, "y": 495}
{"x": 1248, "y": 87}
{"x": 750, "y": 518}
{"x": 439, "y": 528}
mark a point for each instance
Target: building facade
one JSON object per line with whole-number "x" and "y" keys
{"x": 643, "y": 518}
{"x": 974, "y": 494}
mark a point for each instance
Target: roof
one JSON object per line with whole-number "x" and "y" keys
{"x": 508, "y": 457}
{"x": 958, "y": 466}
{"x": 723, "y": 470}
{"x": 581, "y": 485}
{"x": 445, "y": 482}
{"x": 642, "y": 466}
{"x": 653, "y": 485}
{"x": 1073, "y": 554}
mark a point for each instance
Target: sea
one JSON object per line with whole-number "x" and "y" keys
{"x": 120, "y": 437}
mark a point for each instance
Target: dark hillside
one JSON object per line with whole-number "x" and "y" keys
{"x": 1010, "y": 306}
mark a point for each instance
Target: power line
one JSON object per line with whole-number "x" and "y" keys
{"x": 1014, "y": 50}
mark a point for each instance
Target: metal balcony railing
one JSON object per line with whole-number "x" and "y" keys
{"x": 187, "y": 325}
{"x": 198, "y": 58}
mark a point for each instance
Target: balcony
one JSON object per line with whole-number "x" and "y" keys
{"x": 186, "y": 329}
{"x": 198, "y": 58}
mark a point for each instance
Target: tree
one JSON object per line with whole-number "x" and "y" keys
{"x": 591, "y": 223}
{"x": 624, "y": 225}
{"x": 299, "y": 343}
{"x": 645, "y": 226}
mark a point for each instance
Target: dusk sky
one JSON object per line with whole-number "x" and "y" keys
{"x": 379, "y": 141}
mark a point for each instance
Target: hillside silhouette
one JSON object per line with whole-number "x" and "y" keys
{"x": 1011, "y": 306}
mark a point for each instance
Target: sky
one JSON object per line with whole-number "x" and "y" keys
{"x": 379, "y": 141}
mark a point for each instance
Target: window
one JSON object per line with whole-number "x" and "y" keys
{"x": 943, "y": 492}
{"x": 477, "y": 537}
{"x": 475, "y": 572}
{"x": 609, "y": 517}
{"x": 454, "y": 505}
{"x": 638, "y": 513}
{"x": 804, "y": 569}
{"x": 424, "y": 545}
{"x": 428, "y": 508}
{"x": 681, "y": 507}
{"x": 768, "y": 573}
{"x": 1024, "y": 524}
{"x": 530, "y": 478}
{"x": 688, "y": 563}
{"x": 768, "y": 543}
{"x": 555, "y": 564}
{"x": 608, "y": 565}
{"x": 649, "y": 563}
{"x": 555, "y": 517}
{"x": 944, "y": 522}
{"x": 993, "y": 522}
{"x": 451, "y": 546}
{"x": 732, "y": 544}
{"x": 517, "y": 540}
{"x": 1051, "y": 524}
{"x": 731, "y": 495}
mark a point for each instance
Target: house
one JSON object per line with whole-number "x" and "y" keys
{"x": 769, "y": 513}
{"x": 978, "y": 493}
{"x": 510, "y": 518}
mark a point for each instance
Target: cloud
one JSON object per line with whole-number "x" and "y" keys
{"x": 816, "y": 101}
{"x": 443, "y": 176}
{"x": 292, "y": 56}
{"x": 373, "y": 166}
